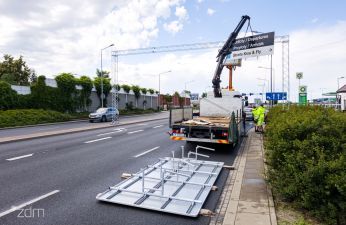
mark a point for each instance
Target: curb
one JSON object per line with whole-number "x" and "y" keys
{"x": 71, "y": 121}
{"x": 77, "y": 130}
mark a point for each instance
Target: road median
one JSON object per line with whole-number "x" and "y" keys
{"x": 74, "y": 130}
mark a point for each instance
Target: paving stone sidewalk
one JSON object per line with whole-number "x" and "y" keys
{"x": 251, "y": 201}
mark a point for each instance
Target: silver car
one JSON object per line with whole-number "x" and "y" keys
{"x": 103, "y": 115}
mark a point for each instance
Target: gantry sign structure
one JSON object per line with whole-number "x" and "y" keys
{"x": 284, "y": 40}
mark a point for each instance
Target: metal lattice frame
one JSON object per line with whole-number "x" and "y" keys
{"x": 285, "y": 64}
{"x": 197, "y": 46}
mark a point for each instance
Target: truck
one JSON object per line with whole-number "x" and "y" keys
{"x": 220, "y": 113}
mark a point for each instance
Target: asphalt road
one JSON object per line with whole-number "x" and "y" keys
{"x": 73, "y": 124}
{"x": 63, "y": 174}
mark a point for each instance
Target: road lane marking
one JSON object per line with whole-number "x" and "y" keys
{"x": 20, "y": 157}
{"x": 136, "y": 131}
{"x": 87, "y": 142}
{"x": 120, "y": 129}
{"x": 14, "y": 208}
{"x": 158, "y": 126}
{"x": 116, "y": 131}
{"x": 143, "y": 153}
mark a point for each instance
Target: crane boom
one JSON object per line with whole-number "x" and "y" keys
{"x": 225, "y": 50}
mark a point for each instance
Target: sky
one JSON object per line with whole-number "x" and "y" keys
{"x": 67, "y": 36}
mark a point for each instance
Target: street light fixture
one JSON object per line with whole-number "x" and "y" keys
{"x": 338, "y": 79}
{"x": 159, "y": 96}
{"x": 271, "y": 75}
{"x": 102, "y": 74}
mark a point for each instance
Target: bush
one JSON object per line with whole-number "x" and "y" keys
{"x": 8, "y": 97}
{"x": 20, "y": 117}
{"x": 306, "y": 155}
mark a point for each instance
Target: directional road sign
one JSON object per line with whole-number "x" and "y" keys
{"x": 276, "y": 96}
{"x": 253, "y": 46}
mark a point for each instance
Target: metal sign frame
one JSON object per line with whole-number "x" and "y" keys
{"x": 172, "y": 185}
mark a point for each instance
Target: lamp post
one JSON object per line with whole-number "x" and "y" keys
{"x": 102, "y": 74}
{"x": 338, "y": 79}
{"x": 159, "y": 96}
{"x": 186, "y": 90}
{"x": 271, "y": 75}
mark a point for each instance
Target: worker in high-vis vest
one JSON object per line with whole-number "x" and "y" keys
{"x": 261, "y": 114}
{"x": 255, "y": 117}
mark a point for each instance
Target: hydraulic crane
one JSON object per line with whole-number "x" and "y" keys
{"x": 225, "y": 50}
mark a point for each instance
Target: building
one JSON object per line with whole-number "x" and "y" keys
{"x": 341, "y": 96}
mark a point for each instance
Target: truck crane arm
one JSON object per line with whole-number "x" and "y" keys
{"x": 225, "y": 50}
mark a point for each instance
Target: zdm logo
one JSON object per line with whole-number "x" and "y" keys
{"x": 30, "y": 213}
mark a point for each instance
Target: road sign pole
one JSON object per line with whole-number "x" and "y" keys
{"x": 271, "y": 78}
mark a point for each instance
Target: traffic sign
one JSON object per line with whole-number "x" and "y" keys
{"x": 299, "y": 75}
{"x": 302, "y": 89}
{"x": 276, "y": 96}
{"x": 303, "y": 98}
{"x": 253, "y": 46}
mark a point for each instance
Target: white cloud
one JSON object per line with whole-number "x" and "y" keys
{"x": 210, "y": 11}
{"x": 56, "y": 37}
{"x": 181, "y": 12}
{"x": 173, "y": 27}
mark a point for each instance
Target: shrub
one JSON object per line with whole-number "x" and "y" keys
{"x": 20, "y": 117}
{"x": 306, "y": 155}
{"x": 8, "y": 97}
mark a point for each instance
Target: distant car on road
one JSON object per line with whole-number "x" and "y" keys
{"x": 248, "y": 112}
{"x": 103, "y": 115}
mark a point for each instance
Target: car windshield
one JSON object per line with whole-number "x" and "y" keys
{"x": 101, "y": 110}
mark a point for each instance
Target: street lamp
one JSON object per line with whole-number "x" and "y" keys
{"x": 102, "y": 74}
{"x": 186, "y": 90}
{"x": 159, "y": 96}
{"x": 271, "y": 75}
{"x": 265, "y": 81}
{"x": 338, "y": 79}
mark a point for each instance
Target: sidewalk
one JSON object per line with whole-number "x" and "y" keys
{"x": 251, "y": 201}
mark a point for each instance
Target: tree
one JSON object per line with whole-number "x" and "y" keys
{"x": 137, "y": 91}
{"x": 8, "y": 97}
{"x": 151, "y": 91}
{"x": 107, "y": 87}
{"x": 15, "y": 71}
{"x": 105, "y": 73}
{"x": 127, "y": 90}
{"x": 204, "y": 94}
{"x": 87, "y": 86}
{"x": 67, "y": 90}
{"x": 144, "y": 91}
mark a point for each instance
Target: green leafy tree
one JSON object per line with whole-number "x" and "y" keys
{"x": 87, "y": 86}
{"x": 137, "y": 91}
{"x": 144, "y": 91}
{"x": 8, "y": 97}
{"x": 127, "y": 89}
{"x": 105, "y": 73}
{"x": 107, "y": 87}
{"x": 151, "y": 91}
{"x": 204, "y": 95}
{"x": 67, "y": 90}
{"x": 117, "y": 87}
{"x": 15, "y": 71}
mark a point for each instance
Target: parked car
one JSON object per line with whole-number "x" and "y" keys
{"x": 248, "y": 112}
{"x": 103, "y": 115}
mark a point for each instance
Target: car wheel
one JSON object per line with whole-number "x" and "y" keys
{"x": 104, "y": 119}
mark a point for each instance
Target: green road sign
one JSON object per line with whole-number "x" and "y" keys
{"x": 299, "y": 75}
{"x": 303, "y": 99}
{"x": 302, "y": 89}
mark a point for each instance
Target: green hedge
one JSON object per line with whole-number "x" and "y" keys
{"x": 306, "y": 155}
{"x": 21, "y": 117}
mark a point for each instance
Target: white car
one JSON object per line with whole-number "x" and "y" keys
{"x": 103, "y": 115}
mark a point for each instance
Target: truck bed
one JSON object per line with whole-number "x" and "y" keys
{"x": 207, "y": 121}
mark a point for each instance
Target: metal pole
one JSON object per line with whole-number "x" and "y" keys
{"x": 271, "y": 77}
{"x": 101, "y": 82}
{"x": 159, "y": 95}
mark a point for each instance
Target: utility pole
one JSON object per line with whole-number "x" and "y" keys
{"x": 102, "y": 74}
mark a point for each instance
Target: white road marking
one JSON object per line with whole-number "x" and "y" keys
{"x": 120, "y": 129}
{"x": 87, "y": 142}
{"x": 20, "y": 157}
{"x": 14, "y": 208}
{"x": 143, "y": 153}
{"x": 158, "y": 126}
{"x": 116, "y": 131}
{"x": 136, "y": 131}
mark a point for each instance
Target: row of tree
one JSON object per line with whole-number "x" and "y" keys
{"x": 65, "y": 98}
